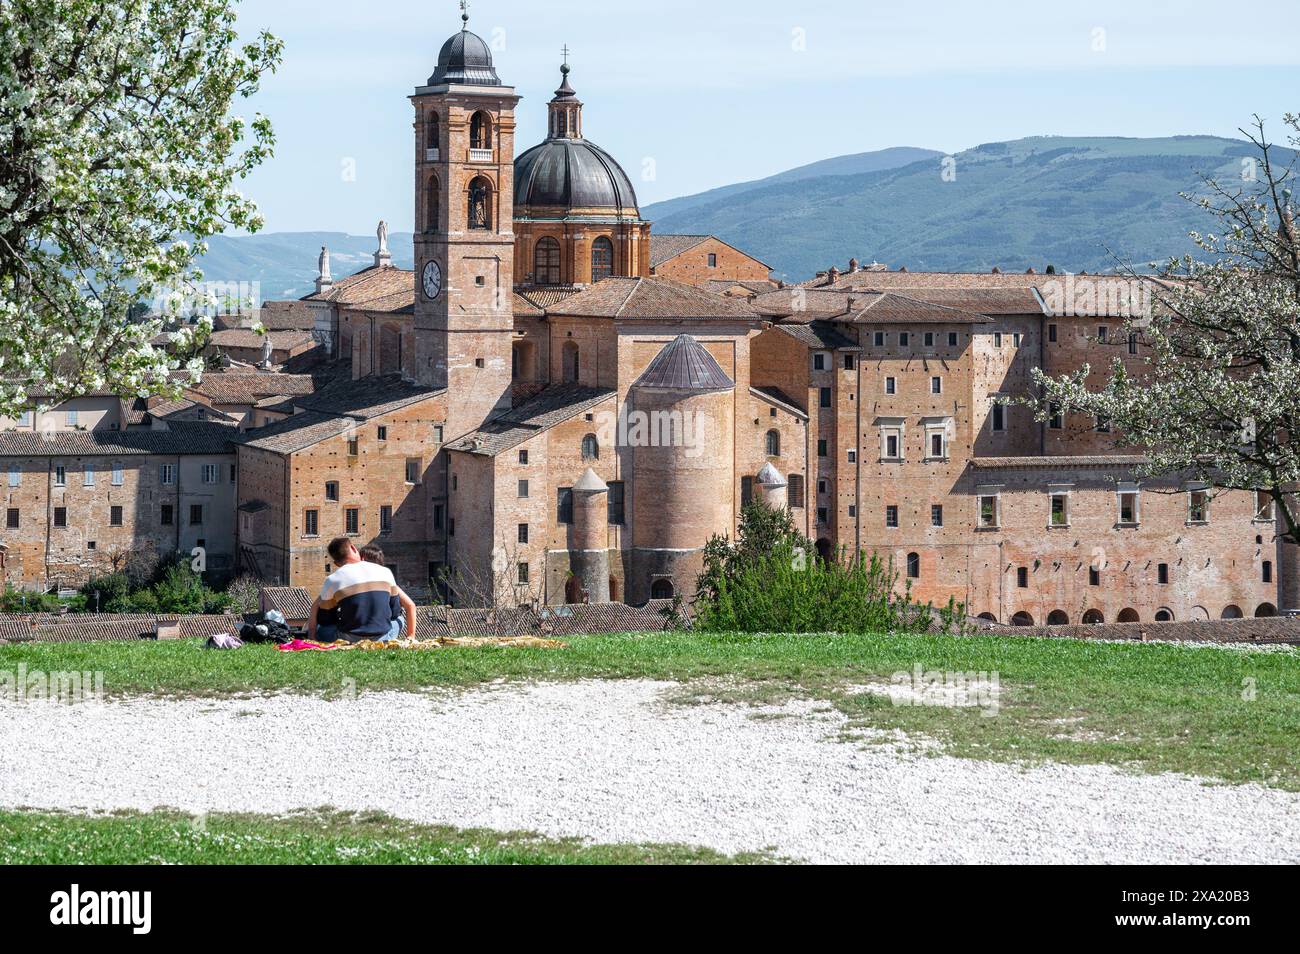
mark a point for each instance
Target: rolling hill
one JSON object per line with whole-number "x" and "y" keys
{"x": 1073, "y": 202}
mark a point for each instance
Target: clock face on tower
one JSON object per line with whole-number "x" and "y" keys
{"x": 432, "y": 280}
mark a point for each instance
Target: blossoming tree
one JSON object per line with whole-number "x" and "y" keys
{"x": 120, "y": 156}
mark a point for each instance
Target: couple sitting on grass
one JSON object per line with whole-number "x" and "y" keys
{"x": 360, "y": 600}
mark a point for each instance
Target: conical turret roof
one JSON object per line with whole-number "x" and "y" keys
{"x": 685, "y": 365}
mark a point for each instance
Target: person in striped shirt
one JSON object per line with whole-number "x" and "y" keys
{"x": 360, "y": 593}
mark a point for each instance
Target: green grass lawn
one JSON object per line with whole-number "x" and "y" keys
{"x": 316, "y": 837}
{"x": 1224, "y": 714}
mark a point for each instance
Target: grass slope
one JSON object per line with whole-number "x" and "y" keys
{"x": 315, "y": 837}
{"x": 1224, "y": 714}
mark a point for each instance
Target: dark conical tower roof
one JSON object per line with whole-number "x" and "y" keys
{"x": 685, "y": 365}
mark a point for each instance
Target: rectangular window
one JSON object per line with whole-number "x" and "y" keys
{"x": 879, "y": 339}
{"x": 564, "y": 505}
{"x": 936, "y": 447}
{"x": 413, "y": 470}
{"x": 60, "y": 516}
{"x": 713, "y": 260}
{"x": 25, "y": 420}
{"x": 823, "y": 516}
{"x": 891, "y": 447}
{"x": 437, "y": 433}
{"x": 821, "y": 486}
{"x": 1101, "y": 334}
{"x": 1102, "y": 424}
{"x": 437, "y": 516}
{"x": 891, "y": 515}
{"x": 1054, "y": 417}
{"x": 821, "y": 451}
{"x": 196, "y": 515}
{"x": 232, "y": 473}
{"x": 824, "y": 397}
{"x": 386, "y": 519}
{"x": 1162, "y": 573}
{"x": 1128, "y": 507}
{"x": 936, "y": 515}
{"x": 853, "y": 456}
{"x": 166, "y": 515}
{"x": 60, "y": 476}
{"x": 119, "y": 474}
{"x": 15, "y": 477}
{"x": 999, "y": 417}
{"x": 1263, "y": 505}
{"x": 1198, "y": 506}
{"x": 354, "y": 446}
{"x": 72, "y": 418}
{"x": 523, "y": 533}
{"x": 211, "y": 473}
{"x": 929, "y": 339}
{"x": 381, "y": 433}
{"x": 451, "y": 526}
{"x": 11, "y": 518}
{"x": 952, "y": 339}
{"x": 1094, "y": 576}
{"x": 853, "y": 510}
{"x": 522, "y": 570}
{"x": 1133, "y": 344}
{"x": 523, "y": 457}
{"x": 936, "y": 385}
{"x": 1022, "y": 577}
{"x": 849, "y": 362}
{"x": 904, "y": 339}
{"x": 616, "y": 505}
{"x": 522, "y": 488}
{"x": 167, "y": 474}
{"x": 332, "y": 490}
{"x": 997, "y": 339}
{"x": 90, "y": 544}
{"x": 1060, "y": 510}
{"x": 88, "y": 475}
{"x": 891, "y": 386}
{"x": 819, "y": 361}
{"x": 794, "y": 491}
{"x": 746, "y": 491}
{"x": 1267, "y": 570}
{"x": 988, "y": 511}
{"x": 1051, "y": 333}
{"x": 311, "y": 523}
{"x": 1015, "y": 340}
{"x": 115, "y": 516}
{"x": 351, "y": 520}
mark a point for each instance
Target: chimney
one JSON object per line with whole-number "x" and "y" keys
{"x": 1030, "y": 271}
{"x": 996, "y": 270}
{"x": 853, "y": 266}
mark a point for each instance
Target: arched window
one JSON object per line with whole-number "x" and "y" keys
{"x": 480, "y": 131}
{"x": 773, "y": 444}
{"x": 590, "y": 449}
{"x": 602, "y": 259}
{"x": 570, "y": 361}
{"x": 1057, "y": 618}
{"x": 914, "y": 565}
{"x": 661, "y": 590}
{"x": 432, "y": 204}
{"x": 431, "y": 132}
{"x": 1128, "y": 615}
{"x": 987, "y": 617}
{"x": 1022, "y": 619}
{"x": 1265, "y": 609}
{"x": 546, "y": 261}
{"x": 479, "y": 210}
{"x": 1163, "y": 615}
{"x": 1231, "y": 612}
{"x": 1093, "y": 617}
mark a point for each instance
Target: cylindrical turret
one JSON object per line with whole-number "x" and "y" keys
{"x": 680, "y": 425}
{"x": 774, "y": 486}
{"x": 589, "y": 539}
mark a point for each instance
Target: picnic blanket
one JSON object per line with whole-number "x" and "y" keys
{"x": 365, "y": 645}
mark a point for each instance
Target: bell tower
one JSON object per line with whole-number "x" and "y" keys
{"x": 464, "y": 231}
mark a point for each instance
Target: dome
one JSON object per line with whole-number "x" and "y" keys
{"x": 465, "y": 59}
{"x": 564, "y": 174}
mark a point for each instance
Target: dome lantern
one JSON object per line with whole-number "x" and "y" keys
{"x": 465, "y": 60}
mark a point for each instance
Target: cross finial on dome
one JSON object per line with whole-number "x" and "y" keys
{"x": 565, "y": 51}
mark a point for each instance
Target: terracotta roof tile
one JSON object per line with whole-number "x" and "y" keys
{"x": 249, "y": 387}
{"x": 367, "y": 397}
{"x": 293, "y": 601}
{"x": 1098, "y": 460}
{"x": 668, "y": 246}
{"x": 650, "y": 298}
{"x": 818, "y": 334}
{"x": 247, "y": 338}
{"x": 554, "y": 405}
{"x": 180, "y": 437}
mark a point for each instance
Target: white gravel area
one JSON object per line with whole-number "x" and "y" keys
{"x": 614, "y": 761}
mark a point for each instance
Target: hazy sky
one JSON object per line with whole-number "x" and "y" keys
{"x": 691, "y": 95}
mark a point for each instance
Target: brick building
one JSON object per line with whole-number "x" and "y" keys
{"x": 557, "y": 406}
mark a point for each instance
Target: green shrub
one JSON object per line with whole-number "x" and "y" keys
{"x": 771, "y": 580}
{"x": 28, "y": 601}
